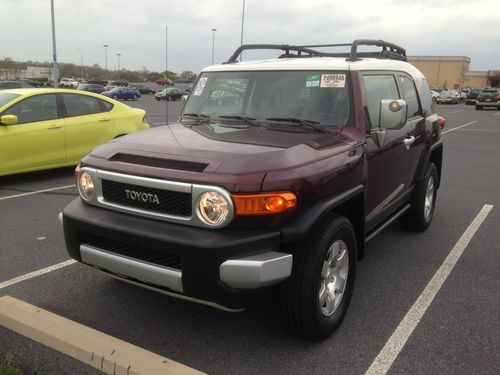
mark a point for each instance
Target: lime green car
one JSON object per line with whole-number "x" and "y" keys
{"x": 52, "y": 128}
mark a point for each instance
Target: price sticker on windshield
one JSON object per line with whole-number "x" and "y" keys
{"x": 332, "y": 80}
{"x": 200, "y": 86}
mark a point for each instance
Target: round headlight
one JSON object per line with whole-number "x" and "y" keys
{"x": 213, "y": 208}
{"x": 85, "y": 185}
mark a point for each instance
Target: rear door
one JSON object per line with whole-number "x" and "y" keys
{"x": 88, "y": 123}
{"x": 37, "y": 140}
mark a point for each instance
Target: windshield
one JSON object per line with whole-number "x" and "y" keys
{"x": 5, "y": 98}
{"x": 317, "y": 97}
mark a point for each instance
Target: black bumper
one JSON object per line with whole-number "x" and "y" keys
{"x": 200, "y": 251}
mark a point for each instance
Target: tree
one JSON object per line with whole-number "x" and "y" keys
{"x": 188, "y": 75}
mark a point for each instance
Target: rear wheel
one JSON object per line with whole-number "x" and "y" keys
{"x": 315, "y": 298}
{"x": 420, "y": 214}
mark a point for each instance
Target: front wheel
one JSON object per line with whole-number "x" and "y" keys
{"x": 315, "y": 298}
{"x": 421, "y": 211}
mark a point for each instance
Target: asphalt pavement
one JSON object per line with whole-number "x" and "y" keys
{"x": 459, "y": 333}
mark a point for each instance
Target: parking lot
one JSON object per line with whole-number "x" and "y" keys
{"x": 458, "y": 333}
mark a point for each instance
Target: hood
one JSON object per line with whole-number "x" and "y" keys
{"x": 197, "y": 154}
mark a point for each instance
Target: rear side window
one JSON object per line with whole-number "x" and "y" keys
{"x": 35, "y": 108}
{"x": 428, "y": 105}
{"x": 105, "y": 106}
{"x": 79, "y": 105}
{"x": 377, "y": 88}
{"x": 410, "y": 95}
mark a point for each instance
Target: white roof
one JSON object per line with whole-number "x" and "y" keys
{"x": 318, "y": 63}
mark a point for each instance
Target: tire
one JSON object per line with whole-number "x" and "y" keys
{"x": 419, "y": 216}
{"x": 135, "y": 97}
{"x": 333, "y": 241}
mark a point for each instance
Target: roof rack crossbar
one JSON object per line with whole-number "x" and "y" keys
{"x": 388, "y": 50}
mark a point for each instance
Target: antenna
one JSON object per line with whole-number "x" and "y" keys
{"x": 166, "y": 74}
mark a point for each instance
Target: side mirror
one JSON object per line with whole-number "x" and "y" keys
{"x": 392, "y": 113}
{"x": 9, "y": 120}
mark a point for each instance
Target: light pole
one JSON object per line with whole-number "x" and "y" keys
{"x": 54, "y": 54}
{"x": 213, "y": 44}
{"x": 105, "y": 60}
{"x": 242, "y": 22}
{"x": 118, "y": 54}
{"x": 81, "y": 62}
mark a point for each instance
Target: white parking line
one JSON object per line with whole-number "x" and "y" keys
{"x": 37, "y": 192}
{"x": 396, "y": 342}
{"x": 459, "y": 127}
{"x": 459, "y": 110}
{"x": 37, "y": 273}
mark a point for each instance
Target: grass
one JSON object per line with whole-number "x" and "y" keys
{"x": 7, "y": 368}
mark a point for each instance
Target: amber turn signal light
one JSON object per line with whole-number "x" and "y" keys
{"x": 77, "y": 173}
{"x": 264, "y": 204}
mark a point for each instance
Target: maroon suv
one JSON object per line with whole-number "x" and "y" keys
{"x": 276, "y": 175}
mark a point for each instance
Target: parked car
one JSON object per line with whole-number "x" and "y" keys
{"x": 446, "y": 97}
{"x": 165, "y": 82}
{"x": 488, "y": 98}
{"x": 14, "y": 85}
{"x": 123, "y": 93}
{"x": 98, "y": 81}
{"x": 31, "y": 82}
{"x": 52, "y": 128}
{"x": 171, "y": 93}
{"x": 91, "y": 87}
{"x": 143, "y": 89}
{"x": 471, "y": 97}
{"x": 279, "y": 190}
{"x": 120, "y": 83}
{"x": 68, "y": 82}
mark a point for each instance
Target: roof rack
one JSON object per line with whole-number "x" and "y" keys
{"x": 388, "y": 50}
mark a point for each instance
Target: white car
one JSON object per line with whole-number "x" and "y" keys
{"x": 68, "y": 82}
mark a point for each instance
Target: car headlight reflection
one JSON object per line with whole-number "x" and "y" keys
{"x": 85, "y": 185}
{"x": 213, "y": 208}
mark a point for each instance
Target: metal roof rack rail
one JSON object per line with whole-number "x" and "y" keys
{"x": 388, "y": 50}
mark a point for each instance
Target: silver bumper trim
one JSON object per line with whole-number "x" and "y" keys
{"x": 128, "y": 267}
{"x": 256, "y": 271}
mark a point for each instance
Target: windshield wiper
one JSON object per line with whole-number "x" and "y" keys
{"x": 196, "y": 116}
{"x": 245, "y": 119}
{"x": 300, "y": 122}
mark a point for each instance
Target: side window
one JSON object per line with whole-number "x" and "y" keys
{"x": 377, "y": 88}
{"x": 105, "y": 106}
{"x": 428, "y": 104}
{"x": 35, "y": 108}
{"x": 79, "y": 105}
{"x": 410, "y": 95}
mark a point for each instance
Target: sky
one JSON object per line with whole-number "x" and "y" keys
{"x": 137, "y": 29}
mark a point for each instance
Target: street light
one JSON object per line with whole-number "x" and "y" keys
{"x": 54, "y": 54}
{"x": 105, "y": 60}
{"x": 81, "y": 62}
{"x": 213, "y": 44}
{"x": 118, "y": 54}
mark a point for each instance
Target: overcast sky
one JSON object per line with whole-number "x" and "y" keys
{"x": 136, "y": 28}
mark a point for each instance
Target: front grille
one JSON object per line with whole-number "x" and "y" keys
{"x": 150, "y": 199}
{"x": 136, "y": 252}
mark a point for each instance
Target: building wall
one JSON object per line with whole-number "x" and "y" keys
{"x": 477, "y": 80}
{"x": 447, "y": 72}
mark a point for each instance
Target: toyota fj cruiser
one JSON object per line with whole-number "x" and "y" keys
{"x": 276, "y": 175}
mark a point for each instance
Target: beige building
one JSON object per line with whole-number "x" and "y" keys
{"x": 452, "y": 72}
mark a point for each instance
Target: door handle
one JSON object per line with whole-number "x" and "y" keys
{"x": 51, "y": 127}
{"x": 408, "y": 142}
{"x": 104, "y": 119}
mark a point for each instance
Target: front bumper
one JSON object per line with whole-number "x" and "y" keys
{"x": 488, "y": 104}
{"x": 222, "y": 266}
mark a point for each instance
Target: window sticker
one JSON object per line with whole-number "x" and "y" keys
{"x": 200, "y": 86}
{"x": 312, "y": 80}
{"x": 332, "y": 80}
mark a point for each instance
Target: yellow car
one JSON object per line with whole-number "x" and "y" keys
{"x": 52, "y": 128}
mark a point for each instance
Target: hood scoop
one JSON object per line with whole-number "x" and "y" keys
{"x": 148, "y": 161}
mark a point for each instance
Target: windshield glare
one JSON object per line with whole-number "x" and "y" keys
{"x": 5, "y": 98}
{"x": 321, "y": 97}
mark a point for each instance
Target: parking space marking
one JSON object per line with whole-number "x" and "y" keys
{"x": 384, "y": 360}
{"x": 37, "y": 273}
{"x": 37, "y": 192}
{"x": 458, "y": 110}
{"x": 459, "y": 127}
{"x": 99, "y": 350}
